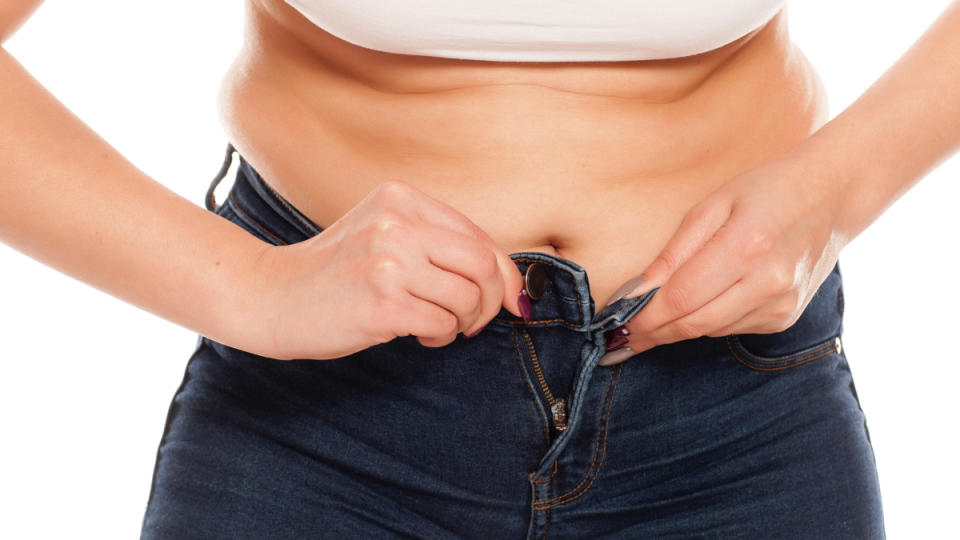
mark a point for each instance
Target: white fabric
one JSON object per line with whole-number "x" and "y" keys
{"x": 540, "y": 30}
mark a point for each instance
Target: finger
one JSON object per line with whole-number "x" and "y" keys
{"x": 697, "y": 227}
{"x": 440, "y": 214}
{"x": 471, "y": 258}
{"x": 701, "y": 279}
{"x": 767, "y": 318}
{"x": 433, "y": 325}
{"x": 731, "y": 305}
{"x": 449, "y": 291}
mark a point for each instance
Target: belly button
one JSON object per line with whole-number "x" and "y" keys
{"x": 554, "y": 244}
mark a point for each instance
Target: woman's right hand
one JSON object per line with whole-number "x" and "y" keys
{"x": 398, "y": 263}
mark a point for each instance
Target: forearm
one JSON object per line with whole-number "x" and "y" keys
{"x": 903, "y": 126}
{"x": 71, "y": 201}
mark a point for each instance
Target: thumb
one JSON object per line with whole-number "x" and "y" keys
{"x": 513, "y": 283}
{"x": 698, "y": 226}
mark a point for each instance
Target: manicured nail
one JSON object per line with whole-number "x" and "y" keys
{"x": 523, "y": 302}
{"x": 640, "y": 290}
{"x": 617, "y": 337}
{"x": 616, "y": 356}
{"x": 474, "y": 334}
{"x": 627, "y": 287}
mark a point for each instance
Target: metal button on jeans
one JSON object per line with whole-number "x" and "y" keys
{"x": 535, "y": 280}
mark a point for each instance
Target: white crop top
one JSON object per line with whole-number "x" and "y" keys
{"x": 540, "y": 30}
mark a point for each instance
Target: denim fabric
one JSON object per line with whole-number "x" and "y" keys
{"x": 749, "y": 436}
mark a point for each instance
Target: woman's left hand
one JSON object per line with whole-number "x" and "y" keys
{"x": 746, "y": 259}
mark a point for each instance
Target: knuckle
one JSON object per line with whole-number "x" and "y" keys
{"x": 779, "y": 279}
{"x": 757, "y": 241}
{"x": 394, "y": 189}
{"x": 698, "y": 212}
{"x": 686, "y": 329}
{"x": 676, "y": 299}
{"x": 668, "y": 260}
{"x": 391, "y": 224}
{"x": 385, "y": 270}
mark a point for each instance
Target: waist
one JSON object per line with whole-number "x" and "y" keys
{"x": 573, "y": 169}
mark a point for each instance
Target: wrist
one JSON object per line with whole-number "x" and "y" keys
{"x": 283, "y": 299}
{"x": 237, "y": 296}
{"x": 844, "y": 179}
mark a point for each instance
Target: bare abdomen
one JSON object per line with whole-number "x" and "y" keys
{"x": 600, "y": 179}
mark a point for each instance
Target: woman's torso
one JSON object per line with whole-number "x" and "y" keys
{"x": 596, "y": 162}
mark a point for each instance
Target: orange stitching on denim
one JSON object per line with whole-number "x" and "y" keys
{"x": 760, "y": 360}
{"x": 545, "y": 321}
{"x": 828, "y": 348}
{"x": 236, "y": 207}
{"x": 602, "y": 456}
{"x": 547, "y": 479}
{"x": 533, "y": 393}
{"x": 608, "y": 401}
{"x": 826, "y": 344}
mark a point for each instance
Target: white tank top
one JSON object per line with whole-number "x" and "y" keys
{"x": 540, "y": 30}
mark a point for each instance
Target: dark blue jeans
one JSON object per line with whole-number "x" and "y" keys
{"x": 517, "y": 433}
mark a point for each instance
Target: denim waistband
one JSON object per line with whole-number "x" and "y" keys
{"x": 566, "y": 300}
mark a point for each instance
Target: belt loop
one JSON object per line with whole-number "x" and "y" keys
{"x": 227, "y": 160}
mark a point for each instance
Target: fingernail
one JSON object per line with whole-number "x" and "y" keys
{"x": 616, "y": 356}
{"x": 627, "y": 287}
{"x": 617, "y": 337}
{"x": 641, "y": 289}
{"x": 526, "y": 309}
{"x": 477, "y": 331}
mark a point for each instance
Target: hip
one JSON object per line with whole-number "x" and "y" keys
{"x": 518, "y": 432}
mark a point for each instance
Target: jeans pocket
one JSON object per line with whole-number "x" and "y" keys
{"x": 797, "y": 356}
{"x": 814, "y": 335}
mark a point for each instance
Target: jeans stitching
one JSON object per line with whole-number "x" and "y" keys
{"x": 594, "y": 470}
{"x": 255, "y": 223}
{"x": 544, "y": 321}
{"x": 533, "y": 394}
{"x": 549, "y": 478}
{"x": 759, "y": 364}
{"x": 293, "y": 211}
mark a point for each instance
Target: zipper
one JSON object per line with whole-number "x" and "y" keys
{"x": 558, "y": 407}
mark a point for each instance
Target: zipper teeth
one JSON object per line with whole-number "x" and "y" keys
{"x": 539, "y": 372}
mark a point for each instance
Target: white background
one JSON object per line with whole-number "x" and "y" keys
{"x": 87, "y": 379}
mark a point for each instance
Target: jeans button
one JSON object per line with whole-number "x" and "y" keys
{"x": 535, "y": 280}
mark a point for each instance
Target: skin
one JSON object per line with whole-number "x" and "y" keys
{"x": 750, "y": 256}
{"x": 426, "y": 173}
